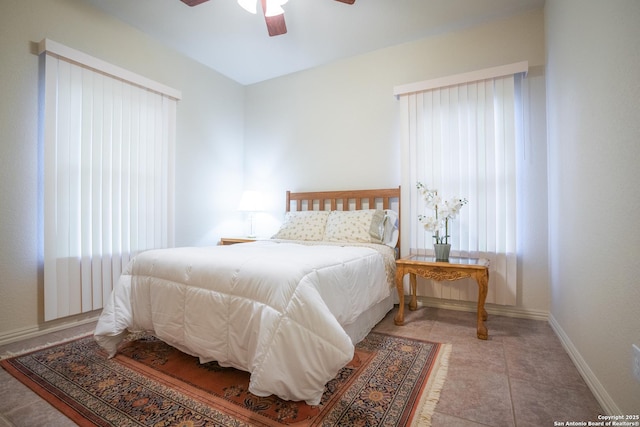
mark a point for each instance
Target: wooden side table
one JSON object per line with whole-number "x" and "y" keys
{"x": 455, "y": 269}
{"x": 234, "y": 240}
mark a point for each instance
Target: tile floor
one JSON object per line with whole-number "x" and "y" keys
{"x": 520, "y": 377}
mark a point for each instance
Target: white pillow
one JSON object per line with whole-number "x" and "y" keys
{"x": 303, "y": 225}
{"x": 362, "y": 226}
{"x": 391, "y": 233}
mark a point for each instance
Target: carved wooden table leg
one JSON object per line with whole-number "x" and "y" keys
{"x": 482, "y": 277}
{"x": 413, "y": 304}
{"x": 399, "y": 319}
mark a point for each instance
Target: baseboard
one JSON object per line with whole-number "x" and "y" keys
{"x": 499, "y": 310}
{"x": 599, "y": 392}
{"x": 16, "y": 335}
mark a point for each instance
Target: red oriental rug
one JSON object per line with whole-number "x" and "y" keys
{"x": 391, "y": 381}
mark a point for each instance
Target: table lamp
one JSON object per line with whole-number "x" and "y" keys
{"x": 251, "y": 202}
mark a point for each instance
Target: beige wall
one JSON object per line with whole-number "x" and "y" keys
{"x": 337, "y": 127}
{"x": 208, "y": 153}
{"x": 593, "y": 109}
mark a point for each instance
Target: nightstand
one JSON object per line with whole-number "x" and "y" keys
{"x": 234, "y": 240}
{"x": 456, "y": 268}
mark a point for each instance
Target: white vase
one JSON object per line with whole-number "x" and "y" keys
{"x": 442, "y": 251}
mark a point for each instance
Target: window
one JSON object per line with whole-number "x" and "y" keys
{"x": 460, "y": 138}
{"x": 108, "y": 141}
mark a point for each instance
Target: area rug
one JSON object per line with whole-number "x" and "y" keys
{"x": 391, "y": 381}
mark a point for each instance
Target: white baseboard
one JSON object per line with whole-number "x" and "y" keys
{"x": 599, "y": 392}
{"x": 15, "y": 335}
{"x": 499, "y": 310}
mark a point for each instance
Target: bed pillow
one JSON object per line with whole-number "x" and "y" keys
{"x": 362, "y": 226}
{"x": 391, "y": 232}
{"x": 303, "y": 225}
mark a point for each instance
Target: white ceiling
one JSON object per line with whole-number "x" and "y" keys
{"x": 226, "y": 38}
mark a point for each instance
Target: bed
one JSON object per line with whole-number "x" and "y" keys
{"x": 289, "y": 309}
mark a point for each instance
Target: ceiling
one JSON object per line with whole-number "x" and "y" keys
{"x": 225, "y": 37}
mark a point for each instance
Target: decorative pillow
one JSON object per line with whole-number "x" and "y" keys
{"x": 391, "y": 232}
{"x": 303, "y": 225}
{"x": 366, "y": 226}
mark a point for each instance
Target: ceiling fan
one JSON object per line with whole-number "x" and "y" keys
{"x": 274, "y": 20}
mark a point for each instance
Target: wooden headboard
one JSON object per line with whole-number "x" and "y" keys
{"x": 387, "y": 198}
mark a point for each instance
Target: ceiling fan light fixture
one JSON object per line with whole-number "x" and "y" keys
{"x": 274, "y": 7}
{"x": 273, "y": 12}
{"x": 249, "y": 5}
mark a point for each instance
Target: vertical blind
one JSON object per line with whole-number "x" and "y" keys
{"x": 461, "y": 140}
{"x": 108, "y": 138}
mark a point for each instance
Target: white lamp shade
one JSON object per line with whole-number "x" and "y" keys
{"x": 251, "y": 201}
{"x": 249, "y": 5}
{"x": 274, "y": 8}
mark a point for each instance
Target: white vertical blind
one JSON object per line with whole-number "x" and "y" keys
{"x": 461, "y": 140}
{"x": 108, "y": 176}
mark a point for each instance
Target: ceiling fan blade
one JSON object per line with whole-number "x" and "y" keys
{"x": 344, "y": 1}
{"x": 193, "y": 2}
{"x": 275, "y": 24}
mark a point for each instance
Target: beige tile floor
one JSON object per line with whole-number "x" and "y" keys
{"x": 520, "y": 377}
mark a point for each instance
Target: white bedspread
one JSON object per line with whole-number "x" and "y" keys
{"x": 270, "y": 308}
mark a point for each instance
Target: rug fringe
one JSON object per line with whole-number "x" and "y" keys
{"x": 429, "y": 400}
{"x": 10, "y": 354}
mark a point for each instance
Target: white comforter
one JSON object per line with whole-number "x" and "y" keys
{"x": 272, "y": 309}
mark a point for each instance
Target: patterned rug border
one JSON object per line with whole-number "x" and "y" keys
{"x": 424, "y": 410}
{"x": 429, "y": 400}
{"x": 12, "y": 354}
{"x": 54, "y": 401}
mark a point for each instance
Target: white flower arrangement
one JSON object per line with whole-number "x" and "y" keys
{"x": 444, "y": 211}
